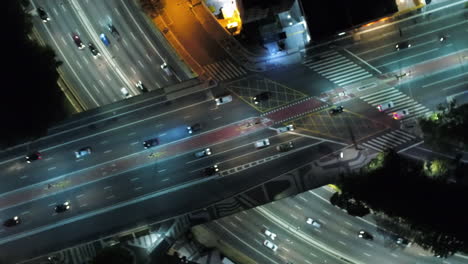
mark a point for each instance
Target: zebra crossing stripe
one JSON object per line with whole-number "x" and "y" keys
{"x": 325, "y": 64}
{"x": 404, "y": 134}
{"x": 372, "y": 94}
{"x": 384, "y": 141}
{"x": 356, "y": 79}
{"x": 352, "y": 74}
{"x": 342, "y": 70}
{"x": 393, "y": 138}
{"x": 372, "y": 147}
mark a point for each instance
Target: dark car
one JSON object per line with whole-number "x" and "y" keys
{"x": 113, "y": 31}
{"x": 33, "y": 156}
{"x": 285, "y": 147}
{"x": 261, "y": 97}
{"x": 210, "y": 171}
{"x": 402, "y": 45}
{"x": 365, "y": 235}
{"x": 193, "y": 128}
{"x": 93, "y": 50}
{"x": 150, "y": 143}
{"x": 43, "y": 14}
{"x": 12, "y": 221}
{"x": 78, "y": 41}
{"x": 140, "y": 86}
{"x": 203, "y": 153}
{"x": 337, "y": 110}
{"x": 60, "y": 208}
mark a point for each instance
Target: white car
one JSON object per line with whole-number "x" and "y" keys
{"x": 400, "y": 114}
{"x": 125, "y": 92}
{"x": 385, "y": 106}
{"x": 269, "y": 234}
{"x": 270, "y": 245}
{"x": 223, "y": 99}
{"x": 82, "y": 152}
{"x": 312, "y": 222}
{"x": 166, "y": 68}
{"x": 285, "y": 128}
{"x": 262, "y": 143}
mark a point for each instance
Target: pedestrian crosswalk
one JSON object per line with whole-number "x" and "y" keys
{"x": 80, "y": 254}
{"x": 400, "y": 102}
{"x": 224, "y": 70}
{"x": 337, "y": 68}
{"x": 389, "y": 140}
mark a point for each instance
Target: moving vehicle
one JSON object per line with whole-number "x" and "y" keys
{"x": 150, "y": 143}
{"x": 264, "y": 96}
{"x": 125, "y": 92}
{"x": 210, "y": 171}
{"x": 223, "y": 99}
{"x": 270, "y": 245}
{"x": 365, "y": 235}
{"x": 385, "y": 106}
{"x": 262, "y": 143}
{"x": 400, "y": 114}
{"x": 203, "y": 153}
{"x": 83, "y": 152}
{"x": 402, "y": 45}
{"x": 193, "y": 128}
{"x": 285, "y": 147}
{"x": 104, "y": 39}
{"x": 166, "y": 68}
{"x": 140, "y": 86}
{"x": 113, "y": 31}
{"x": 15, "y": 220}
{"x": 269, "y": 234}
{"x": 43, "y": 14}
{"x": 60, "y": 208}
{"x": 312, "y": 222}
{"x": 285, "y": 128}
{"x": 337, "y": 110}
{"x": 93, "y": 50}
{"x": 33, "y": 156}
{"x": 78, "y": 41}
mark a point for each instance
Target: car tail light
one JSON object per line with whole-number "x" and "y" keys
{"x": 380, "y": 108}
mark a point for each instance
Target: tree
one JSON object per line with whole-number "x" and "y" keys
{"x": 436, "y": 169}
{"x": 114, "y": 255}
{"x": 152, "y": 7}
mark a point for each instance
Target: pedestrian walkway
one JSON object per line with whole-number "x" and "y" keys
{"x": 336, "y": 68}
{"x": 224, "y": 70}
{"x": 401, "y": 102}
{"x": 295, "y": 110}
{"x": 390, "y": 140}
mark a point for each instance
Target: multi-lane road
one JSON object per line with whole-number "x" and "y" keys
{"x": 123, "y": 185}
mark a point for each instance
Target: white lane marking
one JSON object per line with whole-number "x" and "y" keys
{"x": 107, "y": 187}
{"x": 83, "y": 205}
{"x": 212, "y": 109}
{"x": 96, "y": 89}
{"x": 79, "y": 196}
{"x": 117, "y": 11}
{"x": 101, "y": 82}
{"x": 141, "y": 64}
{"x": 162, "y": 170}
{"x": 103, "y": 142}
{"x": 138, "y": 188}
{"x": 134, "y": 143}
{"x": 110, "y": 197}
{"x": 131, "y": 134}
{"x": 133, "y": 70}
{"x": 298, "y": 207}
{"x": 86, "y": 60}
{"x": 341, "y": 242}
{"x": 325, "y": 211}
{"x": 79, "y": 64}
{"x": 218, "y": 117}
{"x": 125, "y": 43}
{"x": 107, "y": 151}
{"x": 234, "y": 225}
{"x": 134, "y": 179}
{"x": 108, "y": 77}
{"x": 366, "y": 254}
{"x": 394, "y": 255}
{"x": 238, "y": 218}
{"x": 23, "y": 177}
{"x": 165, "y": 180}
{"x": 348, "y": 223}
{"x": 369, "y": 244}
{"x": 312, "y": 254}
{"x": 25, "y": 212}
{"x": 163, "y": 134}
{"x": 285, "y": 249}
{"x": 133, "y": 35}
{"x": 52, "y": 204}
{"x": 63, "y": 7}
{"x": 343, "y": 232}
{"x": 295, "y": 217}
{"x": 53, "y": 168}
{"x": 303, "y": 199}
{"x": 186, "y": 117}
{"x": 148, "y": 57}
